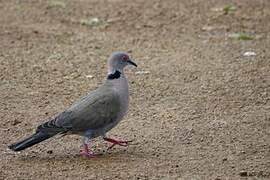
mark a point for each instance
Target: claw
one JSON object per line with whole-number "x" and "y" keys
{"x": 116, "y": 142}
{"x": 86, "y": 152}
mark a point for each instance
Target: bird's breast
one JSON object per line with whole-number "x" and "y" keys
{"x": 121, "y": 88}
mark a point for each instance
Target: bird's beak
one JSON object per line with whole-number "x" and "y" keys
{"x": 132, "y": 63}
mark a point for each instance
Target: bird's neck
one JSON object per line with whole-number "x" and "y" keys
{"x": 116, "y": 74}
{"x": 118, "y": 82}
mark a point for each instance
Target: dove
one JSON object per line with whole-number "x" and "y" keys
{"x": 93, "y": 115}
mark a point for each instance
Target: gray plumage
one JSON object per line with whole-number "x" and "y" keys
{"x": 94, "y": 114}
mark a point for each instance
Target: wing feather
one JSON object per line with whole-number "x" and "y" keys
{"x": 94, "y": 111}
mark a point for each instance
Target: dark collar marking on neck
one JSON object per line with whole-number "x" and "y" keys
{"x": 115, "y": 75}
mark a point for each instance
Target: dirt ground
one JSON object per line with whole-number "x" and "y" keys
{"x": 200, "y": 107}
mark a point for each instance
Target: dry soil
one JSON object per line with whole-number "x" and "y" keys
{"x": 200, "y": 108}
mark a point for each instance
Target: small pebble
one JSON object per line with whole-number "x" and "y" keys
{"x": 15, "y": 122}
{"x": 249, "y": 53}
{"x": 89, "y": 76}
{"x": 50, "y": 152}
{"x": 142, "y": 72}
{"x": 243, "y": 173}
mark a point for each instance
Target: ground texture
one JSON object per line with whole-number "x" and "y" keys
{"x": 199, "y": 108}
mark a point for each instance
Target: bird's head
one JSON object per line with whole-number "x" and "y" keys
{"x": 118, "y": 60}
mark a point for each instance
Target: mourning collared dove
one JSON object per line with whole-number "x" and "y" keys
{"x": 93, "y": 115}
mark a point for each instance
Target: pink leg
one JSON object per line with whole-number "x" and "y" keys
{"x": 116, "y": 142}
{"x": 86, "y": 151}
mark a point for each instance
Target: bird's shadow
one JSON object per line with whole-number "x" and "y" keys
{"x": 104, "y": 157}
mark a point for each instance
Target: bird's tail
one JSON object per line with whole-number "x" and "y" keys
{"x": 36, "y": 138}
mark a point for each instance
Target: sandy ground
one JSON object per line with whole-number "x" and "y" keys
{"x": 199, "y": 108}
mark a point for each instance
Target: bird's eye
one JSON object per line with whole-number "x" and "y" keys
{"x": 125, "y": 58}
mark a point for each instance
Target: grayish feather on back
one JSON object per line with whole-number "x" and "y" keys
{"x": 96, "y": 110}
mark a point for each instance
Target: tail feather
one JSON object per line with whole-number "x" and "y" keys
{"x": 30, "y": 141}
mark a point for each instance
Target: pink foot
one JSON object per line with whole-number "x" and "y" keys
{"x": 86, "y": 152}
{"x": 116, "y": 142}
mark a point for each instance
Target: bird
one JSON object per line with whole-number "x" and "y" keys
{"x": 94, "y": 114}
